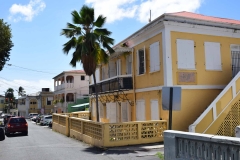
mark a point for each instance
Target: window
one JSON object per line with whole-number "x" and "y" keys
{"x": 119, "y": 72}
{"x": 49, "y": 100}
{"x": 154, "y": 57}
{"x": 129, "y": 64}
{"x": 185, "y": 54}
{"x": 141, "y": 61}
{"x": 2, "y": 101}
{"x": 82, "y": 78}
{"x": 212, "y": 56}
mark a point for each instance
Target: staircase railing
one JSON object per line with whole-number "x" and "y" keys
{"x": 214, "y": 110}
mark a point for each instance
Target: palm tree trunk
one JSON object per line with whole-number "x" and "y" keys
{"x": 96, "y": 92}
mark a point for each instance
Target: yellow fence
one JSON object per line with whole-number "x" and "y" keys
{"x": 111, "y": 134}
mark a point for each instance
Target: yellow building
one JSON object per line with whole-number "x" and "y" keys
{"x": 2, "y": 103}
{"x": 195, "y": 52}
{"x": 40, "y": 102}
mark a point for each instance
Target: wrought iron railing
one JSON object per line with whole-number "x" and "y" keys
{"x": 112, "y": 84}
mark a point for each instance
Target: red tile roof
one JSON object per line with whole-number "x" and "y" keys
{"x": 204, "y": 17}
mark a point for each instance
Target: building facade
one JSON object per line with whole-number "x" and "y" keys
{"x": 40, "y": 102}
{"x": 2, "y": 103}
{"x": 68, "y": 87}
{"x": 195, "y": 52}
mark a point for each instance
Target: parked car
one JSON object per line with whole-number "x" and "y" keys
{"x": 1, "y": 121}
{"x": 16, "y": 124}
{"x": 30, "y": 115}
{"x": 34, "y": 118}
{"x": 38, "y": 118}
{"x": 7, "y": 117}
{"x": 2, "y": 135}
{"x": 45, "y": 119}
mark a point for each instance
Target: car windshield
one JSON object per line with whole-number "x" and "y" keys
{"x": 17, "y": 120}
{"x": 48, "y": 117}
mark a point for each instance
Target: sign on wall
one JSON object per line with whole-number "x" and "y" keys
{"x": 186, "y": 77}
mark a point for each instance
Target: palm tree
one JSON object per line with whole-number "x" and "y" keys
{"x": 88, "y": 40}
{"x": 21, "y": 91}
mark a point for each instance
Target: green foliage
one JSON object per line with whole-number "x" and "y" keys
{"x": 160, "y": 155}
{"x": 5, "y": 43}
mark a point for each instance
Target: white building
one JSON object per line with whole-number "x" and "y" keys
{"x": 68, "y": 87}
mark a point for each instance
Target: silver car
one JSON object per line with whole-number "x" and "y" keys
{"x": 45, "y": 119}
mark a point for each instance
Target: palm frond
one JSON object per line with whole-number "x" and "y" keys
{"x": 76, "y": 18}
{"x": 100, "y": 21}
{"x": 87, "y": 15}
{"x": 102, "y": 31}
{"x": 110, "y": 50}
{"x": 69, "y": 45}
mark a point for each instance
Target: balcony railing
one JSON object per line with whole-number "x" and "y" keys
{"x": 117, "y": 83}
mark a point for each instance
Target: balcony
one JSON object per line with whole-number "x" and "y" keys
{"x": 117, "y": 83}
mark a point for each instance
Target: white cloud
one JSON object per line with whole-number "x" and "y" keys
{"x": 118, "y": 9}
{"x": 114, "y": 9}
{"x": 29, "y": 86}
{"x": 26, "y": 12}
{"x": 159, "y": 7}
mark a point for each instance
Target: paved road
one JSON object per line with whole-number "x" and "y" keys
{"x": 44, "y": 144}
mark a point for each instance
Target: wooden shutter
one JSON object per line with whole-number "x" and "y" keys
{"x": 119, "y": 67}
{"x": 112, "y": 69}
{"x": 125, "y": 112}
{"x": 129, "y": 64}
{"x": 185, "y": 54}
{"x": 111, "y": 112}
{"x": 213, "y": 56}
{"x": 154, "y": 110}
{"x": 140, "y": 110}
{"x": 154, "y": 57}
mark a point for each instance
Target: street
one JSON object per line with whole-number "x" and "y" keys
{"x": 43, "y": 144}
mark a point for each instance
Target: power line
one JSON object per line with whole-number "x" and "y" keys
{"x": 31, "y": 69}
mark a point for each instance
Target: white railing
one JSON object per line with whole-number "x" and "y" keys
{"x": 69, "y": 85}
{"x": 180, "y": 145}
{"x": 212, "y": 106}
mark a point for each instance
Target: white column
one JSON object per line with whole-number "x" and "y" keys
{"x": 167, "y": 56}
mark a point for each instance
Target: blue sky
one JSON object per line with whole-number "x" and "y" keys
{"x": 36, "y": 25}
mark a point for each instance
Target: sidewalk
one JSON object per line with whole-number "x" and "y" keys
{"x": 142, "y": 149}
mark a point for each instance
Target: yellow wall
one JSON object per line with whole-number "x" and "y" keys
{"x": 148, "y": 79}
{"x": 205, "y": 77}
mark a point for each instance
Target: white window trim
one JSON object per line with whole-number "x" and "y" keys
{"x": 139, "y": 63}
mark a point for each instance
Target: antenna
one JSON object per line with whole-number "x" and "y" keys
{"x": 150, "y": 16}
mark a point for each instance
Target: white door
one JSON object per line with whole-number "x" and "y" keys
{"x": 154, "y": 110}
{"x": 112, "y": 112}
{"x": 140, "y": 110}
{"x": 125, "y": 112}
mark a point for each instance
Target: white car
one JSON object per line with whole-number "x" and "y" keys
{"x": 1, "y": 121}
{"x": 32, "y": 114}
{"x": 45, "y": 119}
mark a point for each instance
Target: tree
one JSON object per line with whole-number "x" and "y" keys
{"x": 9, "y": 98}
{"x": 5, "y": 43}
{"x": 21, "y": 91}
{"x": 89, "y": 41}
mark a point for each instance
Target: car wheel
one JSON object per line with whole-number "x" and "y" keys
{"x": 2, "y": 135}
{"x": 25, "y": 133}
{"x": 7, "y": 134}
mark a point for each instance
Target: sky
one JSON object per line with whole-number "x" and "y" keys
{"x": 36, "y": 25}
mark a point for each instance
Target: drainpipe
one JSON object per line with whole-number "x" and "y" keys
{"x": 134, "y": 93}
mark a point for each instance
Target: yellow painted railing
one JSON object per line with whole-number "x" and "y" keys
{"x": 82, "y": 114}
{"x": 114, "y": 134}
{"x": 212, "y": 119}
